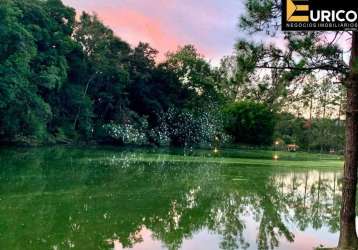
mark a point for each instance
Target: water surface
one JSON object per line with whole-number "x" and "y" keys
{"x": 67, "y": 198}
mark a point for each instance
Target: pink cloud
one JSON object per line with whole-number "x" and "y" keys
{"x": 134, "y": 27}
{"x": 166, "y": 24}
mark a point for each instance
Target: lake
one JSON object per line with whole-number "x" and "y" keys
{"x": 107, "y": 198}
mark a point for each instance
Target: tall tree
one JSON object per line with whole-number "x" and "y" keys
{"x": 108, "y": 74}
{"x": 48, "y": 55}
{"x": 309, "y": 52}
{"x": 195, "y": 74}
{"x": 153, "y": 89}
{"x": 52, "y": 25}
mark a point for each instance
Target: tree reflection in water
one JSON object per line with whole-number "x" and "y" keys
{"x": 100, "y": 199}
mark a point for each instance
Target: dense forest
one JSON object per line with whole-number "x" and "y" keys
{"x": 67, "y": 78}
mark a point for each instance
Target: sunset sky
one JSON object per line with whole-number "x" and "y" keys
{"x": 210, "y": 25}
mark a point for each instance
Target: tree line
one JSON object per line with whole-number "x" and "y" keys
{"x": 65, "y": 79}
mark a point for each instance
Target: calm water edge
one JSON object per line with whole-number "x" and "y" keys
{"x": 65, "y": 198}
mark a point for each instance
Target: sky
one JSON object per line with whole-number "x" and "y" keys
{"x": 210, "y": 25}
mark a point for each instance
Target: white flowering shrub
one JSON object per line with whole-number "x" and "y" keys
{"x": 159, "y": 137}
{"x": 182, "y": 128}
{"x": 187, "y": 128}
{"x": 126, "y": 133}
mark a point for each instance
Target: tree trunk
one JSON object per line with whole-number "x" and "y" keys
{"x": 348, "y": 235}
{"x": 84, "y": 96}
{"x": 340, "y": 107}
{"x": 311, "y": 107}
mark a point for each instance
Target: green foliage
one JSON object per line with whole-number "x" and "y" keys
{"x": 153, "y": 89}
{"x": 63, "y": 80}
{"x": 107, "y": 73}
{"x": 195, "y": 74}
{"x": 250, "y": 123}
{"x": 23, "y": 112}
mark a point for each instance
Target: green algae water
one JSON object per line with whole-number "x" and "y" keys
{"x": 75, "y": 198}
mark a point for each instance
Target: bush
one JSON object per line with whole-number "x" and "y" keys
{"x": 192, "y": 127}
{"x": 122, "y": 134}
{"x": 249, "y": 123}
